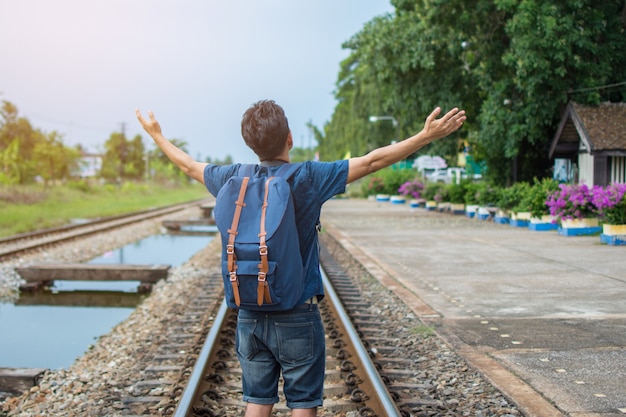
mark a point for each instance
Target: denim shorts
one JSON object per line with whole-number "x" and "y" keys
{"x": 291, "y": 342}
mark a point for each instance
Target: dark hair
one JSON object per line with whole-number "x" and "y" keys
{"x": 265, "y": 129}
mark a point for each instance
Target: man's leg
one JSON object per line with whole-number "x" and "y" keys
{"x": 260, "y": 410}
{"x": 303, "y": 412}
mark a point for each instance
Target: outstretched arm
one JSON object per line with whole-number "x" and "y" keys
{"x": 383, "y": 157}
{"x": 182, "y": 160}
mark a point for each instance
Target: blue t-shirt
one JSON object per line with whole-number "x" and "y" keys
{"x": 312, "y": 185}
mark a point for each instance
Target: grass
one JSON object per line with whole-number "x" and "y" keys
{"x": 423, "y": 330}
{"x": 33, "y": 207}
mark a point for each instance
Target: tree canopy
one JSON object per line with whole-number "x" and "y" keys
{"x": 511, "y": 64}
{"x": 27, "y": 153}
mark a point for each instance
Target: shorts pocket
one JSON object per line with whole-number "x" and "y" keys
{"x": 246, "y": 341}
{"x": 295, "y": 341}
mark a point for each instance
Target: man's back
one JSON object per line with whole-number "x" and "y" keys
{"x": 311, "y": 185}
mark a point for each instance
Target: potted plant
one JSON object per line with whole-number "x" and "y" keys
{"x": 412, "y": 189}
{"x": 456, "y": 196}
{"x": 486, "y": 197}
{"x": 509, "y": 198}
{"x": 471, "y": 199}
{"x": 611, "y": 204}
{"x": 443, "y": 199}
{"x": 572, "y": 205}
{"x": 375, "y": 189}
{"x": 540, "y": 217}
{"x": 430, "y": 192}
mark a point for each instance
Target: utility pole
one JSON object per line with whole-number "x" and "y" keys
{"x": 309, "y": 156}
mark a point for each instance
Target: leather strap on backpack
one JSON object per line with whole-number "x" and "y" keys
{"x": 232, "y": 234}
{"x": 263, "y": 291}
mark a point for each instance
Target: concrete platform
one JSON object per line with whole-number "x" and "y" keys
{"x": 541, "y": 315}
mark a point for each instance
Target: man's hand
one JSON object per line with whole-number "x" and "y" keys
{"x": 152, "y": 126}
{"x": 179, "y": 157}
{"x": 438, "y": 128}
{"x": 383, "y": 157}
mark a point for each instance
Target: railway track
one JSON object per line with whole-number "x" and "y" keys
{"x": 352, "y": 383}
{"x": 363, "y": 377}
{"x": 192, "y": 368}
{"x": 24, "y": 242}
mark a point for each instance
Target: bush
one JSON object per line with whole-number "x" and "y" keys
{"x": 373, "y": 186}
{"x": 537, "y": 195}
{"x": 431, "y": 190}
{"x": 472, "y": 190}
{"x": 611, "y": 203}
{"x": 456, "y": 193}
{"x": 486, "y": 194}
{"x": 509, "y": 198}
{"x": 412, "y": 188}
{"x": 129, "y": 187}
{"x": 387, "y": 181}
{"x": 572, "y": 202}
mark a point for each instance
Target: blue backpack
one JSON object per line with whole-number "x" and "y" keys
{"x": 262, "y": 266}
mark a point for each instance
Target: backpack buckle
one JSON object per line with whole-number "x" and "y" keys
{"x": 233, "y": 276}
{"x": 262, "y": 276}
{"x": 263, "y": 250}
{"x": 230, "y": 249}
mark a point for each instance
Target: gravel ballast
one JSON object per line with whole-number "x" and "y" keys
{"x": 95, "y": 384}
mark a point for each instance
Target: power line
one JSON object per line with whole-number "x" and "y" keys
{"x": 601, "y": 87}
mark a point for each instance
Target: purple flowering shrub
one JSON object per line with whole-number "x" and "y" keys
{"x": 577, "y": 201}
{"x": 413, "y": 188}
{"x": 610, "y": 202}
{"x": 573, "y": 201}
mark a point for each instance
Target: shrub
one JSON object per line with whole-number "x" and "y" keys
{"x": 456, "y": 192}
{"x": 486, "y": 194}
{"x": 387, "y": 181}
{"x": 535, "y": 198}
{"x": 572, "y": 202}
{"x": 509, "y": 198}
{"x": 412, "y": 188}
{"x": 472, "y": 190}
{"x": 373, "y": 186}
{"x": 80, "y": 185}
{"x": 431, "y": 190}
{"x": 611, "y": 203}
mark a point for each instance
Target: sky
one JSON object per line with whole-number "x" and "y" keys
{"x": 81, "y": 68}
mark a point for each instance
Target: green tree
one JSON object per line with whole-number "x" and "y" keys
{"x": 9, "y": 163}
{"x": 53, "y": 159}
{"x": 123, "y": 159}
{"x": 552, "y": 49}
{"x": 15, "y": 129}
{"x": 116, "y": 152}
{"x": 135, "y": 163}
{"x": 162, "y": 169}
{"x": 226, "y": 161}
{"x": 512, "y": 64}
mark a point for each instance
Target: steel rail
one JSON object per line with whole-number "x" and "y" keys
{"x": 383, "y": 399}
{"x": 89, "y": 228}
{"x": 380, "y": 399}
{"x": 186, "y": 400}
{"x": 69, "y": 227}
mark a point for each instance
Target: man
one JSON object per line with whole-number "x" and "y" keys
{"x": 292, "y": 343}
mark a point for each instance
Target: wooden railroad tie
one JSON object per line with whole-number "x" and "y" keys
{"x": 207, "y": 209}
{"x": 37, "y": 275}
{"x": 18, "y": 380}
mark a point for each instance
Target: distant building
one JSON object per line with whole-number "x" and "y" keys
{"x": 89, "y": 165}
{"x": 590, "y": 144}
